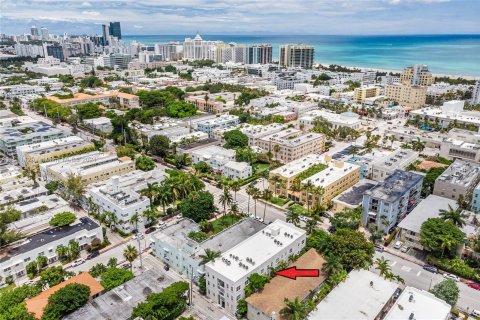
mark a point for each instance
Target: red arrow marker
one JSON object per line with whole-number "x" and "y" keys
{"x": 293, "y": 273}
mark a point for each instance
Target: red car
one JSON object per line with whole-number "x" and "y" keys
{"x": 474, "y": 285}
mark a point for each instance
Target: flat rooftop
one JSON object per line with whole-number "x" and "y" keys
{"x": 355, "y": 298}
{"x": 395, "y": 185}
{"x": 259, "y": 248}
{"x": 45, "y": 146}
{"x": 45, "y": 237}
{"x": 27, "y": 131}
{"x": 422, "y": 304}
{"x": 118, "y": 303}
{"x": 330, "y": 116}
{"x": 461, "y": 173}
{"x": 335, "y": 171}
{"x": 296, "y": 167}
{"x": 400, "y": 158}
{"x": 354, "y": 195}
{"x": 176, "y": 235}
{"x": 272, "y": 297}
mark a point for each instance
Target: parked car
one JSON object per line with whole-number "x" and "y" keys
{"x": 93, "y": 255}
{"x": 150, "y": 230}
{"x": 166, "y": 267}
{"x": 379, "y": 248}
{"x": 260, "y": 219}
{"x": 398, "y": 244}
{"x": 126, "y": 266}
{"x": 430, "y": 268}
{"x": 473, "y": 285}
{"x": 392, "y": 229}
{"x": 475, "y": 312}
{"x": 397, "y": 293}
{"x": 30, "y": 282}
{"x": 405, "y": 248}
{"x": 77, "y": 262}
{"x": 451, "y": 276}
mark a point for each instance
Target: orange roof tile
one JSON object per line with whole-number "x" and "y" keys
{"x": 38, "y": 303}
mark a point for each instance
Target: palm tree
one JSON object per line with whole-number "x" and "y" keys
{"x": 418, "y": 145}
{"x": 276, "y": 149}
{"x": 235, "y": 186}
{"x": 61, "y": 251}
{"x": 225, "y": 199}
{"x": 111, "y": 218}
{"x": 134, "y": 219}
{"x": 383, "y": 266}
{"x": 150, "y": 193}
{"x": 275, "y": 180}
{"x": 455, "y": 216}
{"x": 130, "y": 253}
{"x": 150, "y": 215}
{"x": 31, "y": 174}
{"x": 250, "y": 192}
{"x": 256, "y": 195}
{"x": 295, "y": 310}
{"x": 266, "y": 195}
{"x": 234, "y": 209}
{"x": 164, "y": 195}
{"x": 332, "y": 264}
{"x": 293, "y": 217}
{"x": 209, "y": 256}
{"x": 310, "y": 225}
{"x": 308, "y": 189}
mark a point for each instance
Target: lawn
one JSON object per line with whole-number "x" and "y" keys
{"x": 223, "y": 223}
{"x": 279, "y": 201}
{"x": 257, "y": 167}
{"x": 298, "y": 209}
{"x": 311, "y": 171}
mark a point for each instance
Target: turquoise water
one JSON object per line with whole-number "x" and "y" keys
{"x": 446, "y": 54}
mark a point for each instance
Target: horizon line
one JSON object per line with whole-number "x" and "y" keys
{"x": 292, "y": 35}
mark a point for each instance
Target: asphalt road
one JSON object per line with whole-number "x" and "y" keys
{"x": 415, "y": 276}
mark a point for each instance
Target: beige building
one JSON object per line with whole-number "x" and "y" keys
{"x": 408, "y": 95}
{"x": 460, "y": 178}
{"x": 291, "y": 144}
{"x": 363, "y": 93}
{"x": 124, "y": 99}
{"x": 417, "y": 75}
{"x": 30, "y": 156}
{"x": 92, "y": 167}
{"x": 210, "y": 105}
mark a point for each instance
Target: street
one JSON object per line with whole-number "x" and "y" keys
{"x": 415, "y": 276}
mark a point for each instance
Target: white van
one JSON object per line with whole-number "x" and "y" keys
{"x": 475, "y": 313}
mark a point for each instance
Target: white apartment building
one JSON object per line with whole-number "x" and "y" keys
{"x": 221, "y": 122}
{"x": 448, "y": 113}
{"x": 227, "y": 276}
{"x": 121, "y": 196}
{"x": 92, "y": 167}
{"x": 337, "y": 120}
{"x": 20, "y": 90}
{"x": 15, "y": 257}
{"x": 237, "y": 170}
{"x": 385, "y": 166}
{"x": 216, "y": 157}
{"x": 461, "y": 144}
{"x": 199, "y": 49}
{"x": 255, "y": 132}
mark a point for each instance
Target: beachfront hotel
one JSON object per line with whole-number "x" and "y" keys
{"x": 296, "y": 55}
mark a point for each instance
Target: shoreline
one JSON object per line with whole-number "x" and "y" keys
{"x": 453, "y": 76}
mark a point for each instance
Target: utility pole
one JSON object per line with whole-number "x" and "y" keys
{"x": 139, "y": 249}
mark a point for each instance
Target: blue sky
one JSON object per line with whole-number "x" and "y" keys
{"x": 244, "y": 16}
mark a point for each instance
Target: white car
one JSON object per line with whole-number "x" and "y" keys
{"x": 78, "y": 262}
{"x": 260, "y": 219}
{"x": 398, "y": 244}
{"x": 451, "y": 276}
{"x": 405, "y": 248}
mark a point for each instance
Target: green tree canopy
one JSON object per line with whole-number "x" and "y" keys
{"x": 165, "y": 305}
{"x": 446, "y": 290}
{"x": 91, "y": 82}
{"x": 441, "y": 237}
{"x": 88, "y": 110}
{"x": 152, "y": 98}
{"x": 144, "y": 163}
{"x": 352, "y": 248}
{"x": 197, "y": 206}
{"x": 180, "y": 109}
{"x": 347, "y": 219}
{"x": 62, "y": 219}
{"x": 159, "y": 145}
{"x": 126, "y": 151}
{"x": 235, "y": 139}
{"x": 113, "y": 277}
{"x": 65, "y": 300}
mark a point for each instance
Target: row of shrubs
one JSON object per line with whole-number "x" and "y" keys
{"x": 456, "y": 266}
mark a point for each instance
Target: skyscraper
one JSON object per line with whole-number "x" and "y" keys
{"x": 55, "y": 51}
{"x": 105, "y": 34}
{"x": 34, "y": 31}
{"x": 44, "y": 33}
{"x": 115, "y": 30}
{"x": 259, "y": 54}
{"x": 296, "y": 55}
{"x": 417, "y": 75}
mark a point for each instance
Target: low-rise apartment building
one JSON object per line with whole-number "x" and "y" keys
{"x": 216, "y": 157}
{"x": 449, "y": 113}
{"x": 27, "y": 133}
{"x": 209, "y": 105}
{"x": 460, "y": 178}
{"x": 125, "y": 100}
{"x": 307, "y": 120}
{"x": 362, "y": 93}
{"x": 352, "y": 198}
{"x": 430, "y": 207}
{"x": 15, "y": 257}
{"x": 291, "y": 144}
{"x": 226, "y": 277}
{"x": 30, "y": 156}
{"x": 173, "y": 246}
{"x": 389, "y": 202}
{"x": 221, "y": 122}
{"x": 385, "y": 166}
{"x": 92, "y": 167}
{"x": 121, "y": 196}
{"x": 461, "y": 144}
{"x": 237, "y": 170}
{"x": 410, "y": 134}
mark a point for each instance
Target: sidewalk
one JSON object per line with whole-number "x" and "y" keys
{"x": 404, "y": 256}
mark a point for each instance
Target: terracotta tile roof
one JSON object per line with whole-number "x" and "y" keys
{"x": 78, "y": 97}
{"x": 271, "y": 298}
{"x": 38, "y": 303}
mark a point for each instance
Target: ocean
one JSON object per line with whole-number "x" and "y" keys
{"x": 444, "y": 54}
